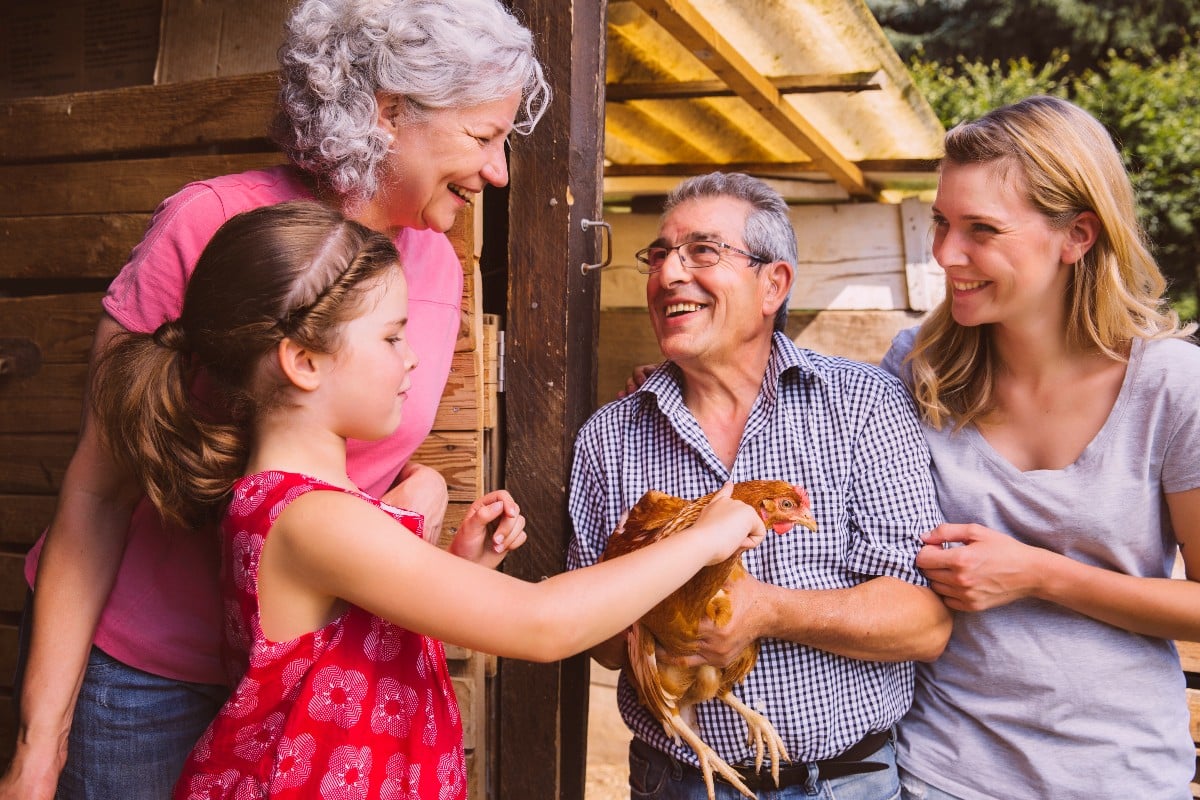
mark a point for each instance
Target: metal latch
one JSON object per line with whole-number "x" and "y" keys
{"x": 588, "y": 224}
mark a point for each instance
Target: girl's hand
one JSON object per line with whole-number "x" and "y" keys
{"x": 738, "y": 525}
{"x": 975, "y": 568}
{"x": 421, "y": 489}
{"x": 473, "y": 542}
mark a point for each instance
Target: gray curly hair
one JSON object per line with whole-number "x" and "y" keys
{"x": 436, "y": 54}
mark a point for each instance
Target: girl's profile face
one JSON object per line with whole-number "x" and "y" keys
{"x": 374, "y": 361}
{"x": 1003, "y": 260}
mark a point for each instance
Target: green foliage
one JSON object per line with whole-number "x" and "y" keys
{"x": 987, "y": 30}
{"x": 1150, "y": 105}
{"x": 968, "y": 89}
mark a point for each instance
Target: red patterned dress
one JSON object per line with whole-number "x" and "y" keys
{"x": 358, "y": 709}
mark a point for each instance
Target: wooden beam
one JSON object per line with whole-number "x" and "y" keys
{"x": 550, "y": 349}
{"x": 685, "y": 22}
{"x": 785, "y": 84}
{"x": 176, "y": 116}
{"x": 764, "y": 168}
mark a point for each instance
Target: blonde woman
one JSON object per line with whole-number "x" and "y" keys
{"x": 1061, "y": 403}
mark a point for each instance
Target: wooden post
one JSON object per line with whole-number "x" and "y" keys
{"x": 550, "y": 373}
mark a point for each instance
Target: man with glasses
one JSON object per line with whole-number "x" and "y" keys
{"x": 841, "y": 612}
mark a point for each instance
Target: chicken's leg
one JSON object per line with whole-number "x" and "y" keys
{"x": 760, "y": 729}
{"x": 709, "y": 760}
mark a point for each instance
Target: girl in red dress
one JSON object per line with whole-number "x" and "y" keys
{"x": 295, "y": 320}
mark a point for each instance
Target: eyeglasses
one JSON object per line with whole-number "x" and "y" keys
{"x": 693, "y": 255}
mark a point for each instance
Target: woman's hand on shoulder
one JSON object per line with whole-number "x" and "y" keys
{"x": 975, "y": 568}
{"x": 421, "y": 489}
{"x": 637, "y": 378}
{"x": 473, "y": 541}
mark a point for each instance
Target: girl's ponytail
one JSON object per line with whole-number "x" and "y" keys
{"x": 153, "y": 425}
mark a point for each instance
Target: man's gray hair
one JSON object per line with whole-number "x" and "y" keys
{"x": 768, "y": 230}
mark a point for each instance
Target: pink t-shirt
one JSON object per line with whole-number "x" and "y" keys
{"x": 164, "y": 613}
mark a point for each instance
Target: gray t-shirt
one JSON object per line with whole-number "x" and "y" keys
{"x": 1032, "y": 700}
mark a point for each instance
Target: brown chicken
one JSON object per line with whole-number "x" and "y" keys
{"x": 669, "y": 690}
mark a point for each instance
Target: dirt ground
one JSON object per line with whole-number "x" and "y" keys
{"x": 608, "y": 741}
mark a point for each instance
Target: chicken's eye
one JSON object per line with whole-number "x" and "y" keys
{"x": 787, "y": 504}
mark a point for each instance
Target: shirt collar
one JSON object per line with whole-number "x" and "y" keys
{"x": 666, "y": 383}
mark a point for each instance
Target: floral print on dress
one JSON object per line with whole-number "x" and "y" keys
{"x": 293, "y": 762}
{"x": 337, "y": 695}
{"x": 243, "y": 700}
{"x": 359, "y": 709}
{"x": 402, "y": 781}
{"x": 349, "y": 774}
{"x": 384, "y": 641}
{"x": 395, "y": 706}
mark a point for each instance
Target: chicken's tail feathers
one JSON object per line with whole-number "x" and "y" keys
{"x": 643, "y": 673}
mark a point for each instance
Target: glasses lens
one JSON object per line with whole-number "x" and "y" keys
{"x": 701, "y": 254}
{"x": 652, "y": 258}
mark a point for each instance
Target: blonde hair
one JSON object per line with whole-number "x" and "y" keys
{"x": 297, "y": 270}
{"x": 1066, "y": 162}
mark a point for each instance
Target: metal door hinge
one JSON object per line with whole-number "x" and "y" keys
{"x": 500, "y": 362}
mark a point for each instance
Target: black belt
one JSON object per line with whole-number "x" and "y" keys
{"x": 851, "y": 762}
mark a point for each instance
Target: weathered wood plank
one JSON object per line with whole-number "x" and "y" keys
{"x": 62, "y": 325}
{"x": 457, "y": 455}
{"x": 23, "y": 517}
{"x": 34, "y": 464}
{"x": 549, "y": 376}
{"x": 49, "y": 401}
{"x": 1193, "y": 700}
{"x": 1189, "y": 656}
{"x": 32, "y": 247}
{"x": 12, "y": 589}
{"x": 112, "y": 187}
{"x": 192, "y": 114}
{"x": 8, "y": 658}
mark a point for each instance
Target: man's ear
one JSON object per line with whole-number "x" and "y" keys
{"x": 779, "y": 276}
{"x": 1082, "y": 233}
{"x": 301, "y": 366}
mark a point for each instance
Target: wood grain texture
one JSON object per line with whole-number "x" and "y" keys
{"x": 191, "y": 114}
{"x": 549, "y": 367}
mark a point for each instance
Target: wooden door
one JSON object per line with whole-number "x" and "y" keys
{"x": 550, "y": 344}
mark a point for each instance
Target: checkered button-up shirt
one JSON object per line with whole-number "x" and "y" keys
{"x": 845, "y": 431}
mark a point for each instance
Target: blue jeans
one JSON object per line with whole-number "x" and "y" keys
{"x": 913, "y": 788}
{"x": 132, "y": 730}
{"x": 653, "y": 775}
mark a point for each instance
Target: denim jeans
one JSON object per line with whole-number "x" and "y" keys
{"x": 655, "y": 776}
{"x": 132, "y": 730}
{"x": 913, "y": 788}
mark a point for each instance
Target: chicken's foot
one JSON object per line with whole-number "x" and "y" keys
{"x": 759, "y": 730}
{"x": 709, "y": 760}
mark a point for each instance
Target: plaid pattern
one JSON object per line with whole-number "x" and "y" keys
{"x": 845, "y": 431}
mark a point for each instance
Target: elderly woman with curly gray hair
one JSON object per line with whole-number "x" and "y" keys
{"x": 394, "y": 112}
